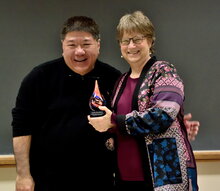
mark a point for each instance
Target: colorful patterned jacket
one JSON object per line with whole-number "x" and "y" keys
{"x": 157, "y": 118}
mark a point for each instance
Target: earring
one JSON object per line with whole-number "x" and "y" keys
{"x": 122, "y": 56}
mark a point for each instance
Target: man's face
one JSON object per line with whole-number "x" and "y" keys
{"x": 80, "y": 51}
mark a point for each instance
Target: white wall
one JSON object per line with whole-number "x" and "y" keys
{"x": 7, "y": 179}
{"x": 208, "y": 179}
{"x": 209, "y": 175}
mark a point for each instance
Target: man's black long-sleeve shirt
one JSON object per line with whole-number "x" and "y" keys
{"x": 52, "y": 106}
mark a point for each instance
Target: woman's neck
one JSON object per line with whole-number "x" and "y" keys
{"x": 136, "y": 68}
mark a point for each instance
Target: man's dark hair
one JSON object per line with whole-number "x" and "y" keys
{"x": 80, "y": 23}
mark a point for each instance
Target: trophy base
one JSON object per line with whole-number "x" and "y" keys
{"x": 97, "y": 113}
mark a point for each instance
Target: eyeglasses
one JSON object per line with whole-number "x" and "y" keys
{"x": 135, "y": 40}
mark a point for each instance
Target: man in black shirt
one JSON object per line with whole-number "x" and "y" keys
{"x": 55, "y": 148}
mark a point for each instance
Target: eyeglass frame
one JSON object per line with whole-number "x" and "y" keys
{"x": 126, "y": 42}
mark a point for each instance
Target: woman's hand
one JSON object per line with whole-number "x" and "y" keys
{"x": 103, "y": 123}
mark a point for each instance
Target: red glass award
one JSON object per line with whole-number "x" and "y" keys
{"x": 95, "y": 101}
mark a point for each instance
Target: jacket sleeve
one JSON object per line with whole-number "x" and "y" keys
{"x": 166, "y": 100}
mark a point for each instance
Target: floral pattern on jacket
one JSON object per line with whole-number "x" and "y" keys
{"x": 159, "y": 118}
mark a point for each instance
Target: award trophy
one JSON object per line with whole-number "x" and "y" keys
{"x": 95, "y": 101}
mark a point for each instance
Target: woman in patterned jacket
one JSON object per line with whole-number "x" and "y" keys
{"x": 153, "y": 151}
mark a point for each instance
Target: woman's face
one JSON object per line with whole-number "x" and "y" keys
{"x": 135, "y": 48}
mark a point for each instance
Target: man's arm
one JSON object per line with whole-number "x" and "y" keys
{"x": 24, "y": 180}
{"x": 192, "y": 127}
